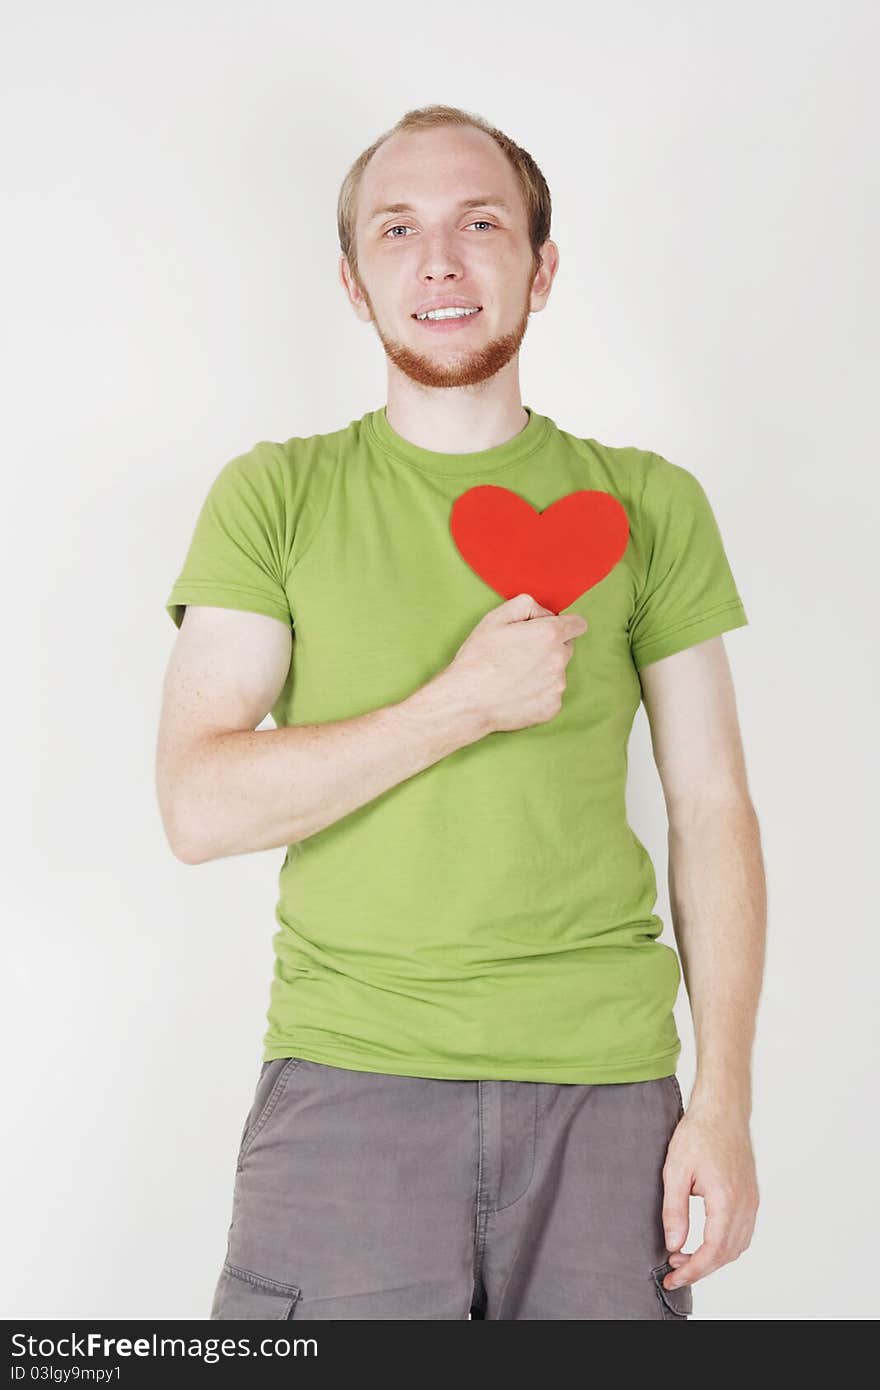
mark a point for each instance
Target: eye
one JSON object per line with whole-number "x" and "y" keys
{"x": 402, "y": 227}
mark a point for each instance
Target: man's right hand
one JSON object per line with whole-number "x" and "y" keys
{"x": 512, "y": 665}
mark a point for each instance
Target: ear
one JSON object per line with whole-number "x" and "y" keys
{"x": 354, "y": 292}
{"x": 544, "y": 276}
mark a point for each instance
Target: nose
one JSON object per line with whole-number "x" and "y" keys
{"x": 439, "y": 261}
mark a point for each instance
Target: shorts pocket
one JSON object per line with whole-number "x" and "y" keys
{"x": 674, "y": 1303}
{"x": 241, "y": 1293}
{"x": 676, "y": 1090}
{"x": 274, "y": 1076}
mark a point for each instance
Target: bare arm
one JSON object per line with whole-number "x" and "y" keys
{"x": 226, "y": 787}
{"x": 717, "y": 888}
{"x": 717, "y": 896}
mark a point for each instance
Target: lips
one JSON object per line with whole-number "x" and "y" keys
{"x": 455, "y": 323}
{"x": 428, "y": 308}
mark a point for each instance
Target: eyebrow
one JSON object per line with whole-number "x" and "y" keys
{"x": 484, "y": 202}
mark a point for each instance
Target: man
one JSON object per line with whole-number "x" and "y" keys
{"x": 468, "y": 1103}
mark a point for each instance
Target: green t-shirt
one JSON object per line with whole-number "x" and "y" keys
{"x": 491, "y": 916}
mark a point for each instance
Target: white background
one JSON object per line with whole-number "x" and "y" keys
{"x": 170, "y": 297}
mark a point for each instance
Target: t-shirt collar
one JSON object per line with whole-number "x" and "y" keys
{"x": 480, "y": 461}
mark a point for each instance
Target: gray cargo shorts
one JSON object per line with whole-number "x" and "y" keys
{"x": 366, "y": 1195}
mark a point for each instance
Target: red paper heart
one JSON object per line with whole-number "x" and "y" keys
{"x": 554, "y": 555}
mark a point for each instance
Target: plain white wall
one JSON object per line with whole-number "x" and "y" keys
{"x": 169, "y": 246}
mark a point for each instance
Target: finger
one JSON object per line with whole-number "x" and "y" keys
{"x": 700, "y": 1262}
{"x": 707, "y": 1257}
{"x": 676, "y": 1208}
{"x": 679, "y": 1263}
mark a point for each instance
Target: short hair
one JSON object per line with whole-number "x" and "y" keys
{"x": 532, "y": 183}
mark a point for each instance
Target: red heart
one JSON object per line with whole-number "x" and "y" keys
{"x": 554, "y": 555}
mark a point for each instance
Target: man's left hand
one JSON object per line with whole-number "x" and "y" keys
{"x": 709, "y": 1155}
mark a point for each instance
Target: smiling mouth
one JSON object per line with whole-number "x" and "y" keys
{"x": 448, "y": 318}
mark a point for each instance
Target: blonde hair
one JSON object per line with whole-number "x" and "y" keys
{"x": 534, "y": 188}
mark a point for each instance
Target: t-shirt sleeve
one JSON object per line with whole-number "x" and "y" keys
{"x": 237, "y": 557}
{"x": 689, "y": 593}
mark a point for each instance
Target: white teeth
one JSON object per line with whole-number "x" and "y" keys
{"x": 446, "y": 313}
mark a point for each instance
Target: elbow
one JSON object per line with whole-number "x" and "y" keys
{"x": 186, "y": 854}
{"x": 183, "y": 848}
{"x": 178, "y": 822}
{"x": 184, "y": 845}
{"x": 187, "y": 846}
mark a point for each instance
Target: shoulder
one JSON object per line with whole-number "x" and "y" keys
{"x": 286, "y": 469}
{"x": 640, "y": 476}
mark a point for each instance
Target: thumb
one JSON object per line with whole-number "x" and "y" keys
{"x": 523, "y": 606}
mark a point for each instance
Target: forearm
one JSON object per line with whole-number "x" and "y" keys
{"x": 718, "y": 899}
{"x": 267, "y": 788}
